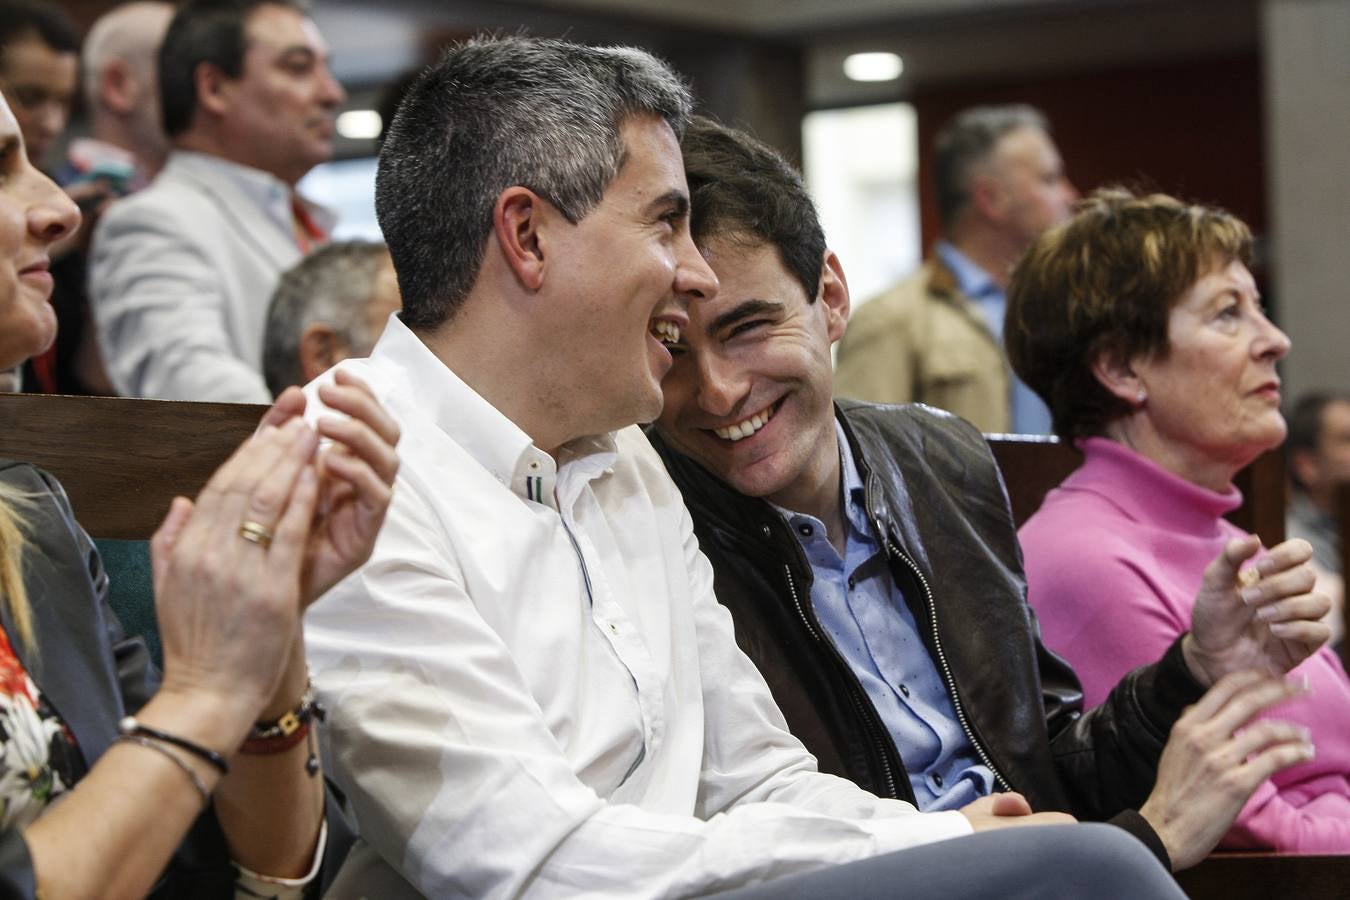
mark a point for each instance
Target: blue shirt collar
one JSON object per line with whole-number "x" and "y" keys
{"x": 973, "y": 281}
{"x": 854, "y": 491}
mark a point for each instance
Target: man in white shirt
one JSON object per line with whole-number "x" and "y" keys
{"x": 181, "y": 272}
{"x": 532, "y": 690}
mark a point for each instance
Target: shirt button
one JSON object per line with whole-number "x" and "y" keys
{"x": 852, "y": 582}
{"x": 613, "y": 628}
{"x": 937, "y": 779}
{"x": 806, "y": 530}
{"x": 904, "y": 689}
{"x": 768, "y": 532}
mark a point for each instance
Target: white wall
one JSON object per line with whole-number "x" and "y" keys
{"x": 1306, "y": 47}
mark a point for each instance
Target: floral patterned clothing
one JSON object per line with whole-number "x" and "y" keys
{"x": 39, "y": 759}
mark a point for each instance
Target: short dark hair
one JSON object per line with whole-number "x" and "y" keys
{"x": 332, "y": 285}
{"x": 203, "y": 31}
{"x": 499, "y": 112}
{"x": 24, "y": 18}
{"x": 1305, "y": 425}
{"x": 1106, "y": 282}
{"x": 743, "y": 190}
{"x": 968, "y": 140}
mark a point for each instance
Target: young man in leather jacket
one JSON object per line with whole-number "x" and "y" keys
{"x": 869, "y": 559}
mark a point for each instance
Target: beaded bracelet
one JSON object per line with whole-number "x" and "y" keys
{"x": 150, "y": 744}
{"x": 129, "y": 726}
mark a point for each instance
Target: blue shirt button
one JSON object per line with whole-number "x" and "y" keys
{"x": 806, "y": 530}
{"x": 904, "y": 689}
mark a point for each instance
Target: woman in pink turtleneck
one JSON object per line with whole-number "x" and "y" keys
{"x": 1140, "y": 325}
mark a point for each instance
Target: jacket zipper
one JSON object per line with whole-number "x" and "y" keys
{"x": 942, "y": 659}
{"x": 887, "y": 773}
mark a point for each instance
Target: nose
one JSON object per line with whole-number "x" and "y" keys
{"x": 1273, "y": 343}
{"x": 51, "y": 214}
{"x": 694, "y": 278}
{"x": 720, "y": 385}
{"x": 332, "y": 93}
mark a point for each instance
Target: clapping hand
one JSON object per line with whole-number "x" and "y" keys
{"x": 1267, "y": 623}
{"x": 357, "y": 468}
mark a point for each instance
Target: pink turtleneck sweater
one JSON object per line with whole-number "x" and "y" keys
{"x": 1114, "y": 558}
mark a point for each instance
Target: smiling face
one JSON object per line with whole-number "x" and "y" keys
{"x": 749, "y": 394}
{"x": 39, "y": 83}
{"x": 34, "y": 212}
{"x": 626, "y": 274}
{"x": 1214, "y": 399}
{"x": 284, "y": 102}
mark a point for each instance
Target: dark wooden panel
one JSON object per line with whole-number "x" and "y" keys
{"x": 1031, "y": 467}
{"x": 1261, "y": 876}
{"x": 123, "y": 461}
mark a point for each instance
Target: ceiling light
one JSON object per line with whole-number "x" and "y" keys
{"x": 873, "y": 66}
{"x": 359, "y": 124}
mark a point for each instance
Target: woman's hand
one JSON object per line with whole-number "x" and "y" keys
{"x": 1215, "y": 758}
{"x": 227, "y": 574}
{"x": 1269, "y": 625}
{"x": 358, "y": 470}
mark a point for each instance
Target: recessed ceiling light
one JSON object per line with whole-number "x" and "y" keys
{"x": 873, "y": 66}
{"x": 359, "y": 124}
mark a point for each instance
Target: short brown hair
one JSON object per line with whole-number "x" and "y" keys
{"x": 1106, "y": 281}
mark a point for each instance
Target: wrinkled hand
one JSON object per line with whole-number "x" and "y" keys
{"x": 1272, "y": 625}
{"x": 229, "y": 608}
{"x": 1209, "y": 769}
{"x": 1008, "y": 811}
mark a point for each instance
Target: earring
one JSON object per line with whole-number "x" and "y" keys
{"x": 1140, "y": 397}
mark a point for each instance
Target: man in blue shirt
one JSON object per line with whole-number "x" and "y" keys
{"x": 937, "y": 337}
{"x": 869, "y": 560}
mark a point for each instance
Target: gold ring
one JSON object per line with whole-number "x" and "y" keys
{"x": 1248, "y": 577}
{"x": 256, "y": 533}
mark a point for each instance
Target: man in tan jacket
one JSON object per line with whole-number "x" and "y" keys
{"x": 935, "y": 338}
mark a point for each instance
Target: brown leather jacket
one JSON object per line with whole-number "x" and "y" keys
{"x": 935, "y": 494}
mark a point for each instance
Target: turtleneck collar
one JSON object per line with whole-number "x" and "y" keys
{"x": 1148, "y": 493}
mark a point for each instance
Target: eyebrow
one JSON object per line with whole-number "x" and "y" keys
{"x": 743, "y": 311}
{"x": 673, "y": 197}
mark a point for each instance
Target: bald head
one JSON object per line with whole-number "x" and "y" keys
{"x": 119, "y": 77}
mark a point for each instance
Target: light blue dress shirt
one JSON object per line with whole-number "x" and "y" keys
{"x": 1029, "y": 414}
{"x": 864, "y": 612}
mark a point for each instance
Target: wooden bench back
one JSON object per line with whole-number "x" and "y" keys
{"x": 123, "y": 461}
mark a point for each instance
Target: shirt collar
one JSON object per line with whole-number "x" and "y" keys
{"x": 972, "y": 281}
{"x": 492, "y": 439}
{"x": 853, "y": 493}
{"x": 264, "y": 189}
{"x": 1148, "y": 493}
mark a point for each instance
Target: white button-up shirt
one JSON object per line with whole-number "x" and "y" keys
{"x": 532, "y": 689}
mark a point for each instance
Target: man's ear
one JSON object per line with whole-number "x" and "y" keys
{"x": 988, "y": 196}
{"x": 320, "y": 349}
{"x": 833, "y": 294}
{"x": 1304, "y": 465}
{"x": 213, "y": 95}
{"x": 516, "y": 220}
{"x": 1118, "y": 376}
{"x": 118, "y": 86}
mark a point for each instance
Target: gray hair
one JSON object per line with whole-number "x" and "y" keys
{"x": 495, "y": 113}
{"x": 332, "y": 285}
{"x": 967, "y": 141}
{"x": 131, "y": 32}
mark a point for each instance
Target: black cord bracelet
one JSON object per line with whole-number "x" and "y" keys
{"x": 129, "y": 726}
